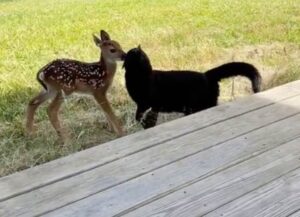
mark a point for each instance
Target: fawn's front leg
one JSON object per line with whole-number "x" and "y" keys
{"x": 110, "y": 116}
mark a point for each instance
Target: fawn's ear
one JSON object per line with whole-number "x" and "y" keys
{"x": 139, "y": 47}
{"x": 104, "y": 35}
{"x": 97, "y": 40}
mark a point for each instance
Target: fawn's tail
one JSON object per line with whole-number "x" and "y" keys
{"x": 40, "y": 77}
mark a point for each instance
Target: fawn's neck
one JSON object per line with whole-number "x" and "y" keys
{"x": 108, "y": 66}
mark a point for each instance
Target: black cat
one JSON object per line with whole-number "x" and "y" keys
{"x": 177, "y": 91}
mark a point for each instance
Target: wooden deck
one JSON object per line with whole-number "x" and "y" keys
{"x": 238, "y": 159}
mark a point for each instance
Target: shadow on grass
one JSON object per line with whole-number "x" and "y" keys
{"x": 81, "y": 116}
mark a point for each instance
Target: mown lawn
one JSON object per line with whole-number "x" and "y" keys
{"x": 196, "y": 34}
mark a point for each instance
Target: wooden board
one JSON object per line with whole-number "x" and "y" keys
{"x": 295, "y": 214}
{"x": 206, "y": 195}
{"x": 280, "y": 197}
{"x": 158, "y": 183}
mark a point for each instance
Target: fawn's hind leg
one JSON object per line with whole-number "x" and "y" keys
{"x": 53, "y": 115}
{"x": 110, "y": 116}
{"x": 33, "y": 105}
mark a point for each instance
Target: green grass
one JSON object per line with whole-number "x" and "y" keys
{"x": 176, "y": 34}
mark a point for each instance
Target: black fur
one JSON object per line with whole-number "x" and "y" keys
{"x": 177, "y": 91}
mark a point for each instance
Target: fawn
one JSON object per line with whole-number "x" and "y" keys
{"x": 63, "y": 77}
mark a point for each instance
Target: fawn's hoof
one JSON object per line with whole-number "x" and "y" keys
{"x": 121, "y": 133}
{"x": 63, "y": 137}
{"x": 30, "y": 131}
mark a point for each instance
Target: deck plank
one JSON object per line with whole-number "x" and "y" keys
{"x": 118, "y": 199}
{"x": 285, "y": 207}
{"x": 207, "y": 195}
{"x": 296, "y": 213}
{"x": 281, "y": 197}
{"x": 239, "y": 149}
{"x": 81, "y": 162}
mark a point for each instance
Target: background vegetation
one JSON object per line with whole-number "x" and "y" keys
{"x": 177, "y": 34}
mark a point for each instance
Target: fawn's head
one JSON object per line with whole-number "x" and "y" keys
{"x": 111, "y": 50}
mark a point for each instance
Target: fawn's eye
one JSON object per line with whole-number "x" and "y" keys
{"x": 113, "y": 50}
